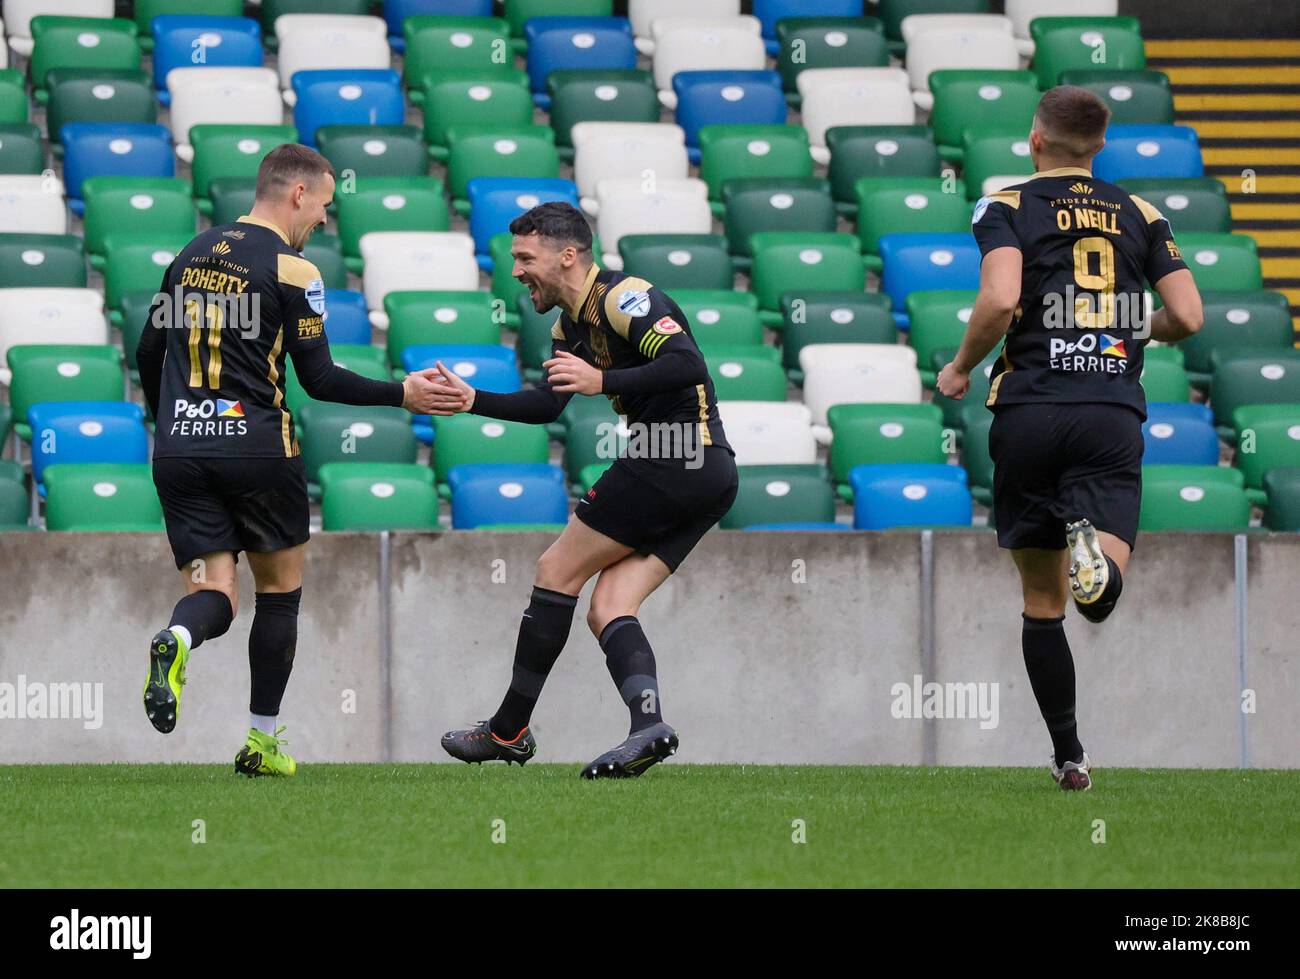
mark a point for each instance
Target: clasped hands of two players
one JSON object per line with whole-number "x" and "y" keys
{"x": 439, "y": 391}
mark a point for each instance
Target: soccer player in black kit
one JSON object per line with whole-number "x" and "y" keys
{"x": 1064, "y": 260}
{"x": 233, "y": 304}
{"x": 617, "y": 336}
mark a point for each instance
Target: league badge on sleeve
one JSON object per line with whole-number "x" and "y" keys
{"x": 634, "y": 304}
{"x": 981, "y": 206}
{"x": 316, "y": 296}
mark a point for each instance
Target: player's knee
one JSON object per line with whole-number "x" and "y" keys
{"x": 231, "y": 591}
{"x": 555, "y": 573}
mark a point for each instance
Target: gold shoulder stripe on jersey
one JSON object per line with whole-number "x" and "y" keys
{"x": 1149, "y": 210}
{"x": 1011, "y": 198}
{"x": 296, "y": 271}
{"x": 249, "y": 219}
{"x": 557, "y": 331}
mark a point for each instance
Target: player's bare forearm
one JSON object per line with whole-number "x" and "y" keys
{"x": 989, "y": 321}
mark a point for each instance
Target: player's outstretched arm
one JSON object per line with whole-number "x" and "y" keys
{"x": 989, "y": 319}
{"x": 535, "y": 406}
{"x": 325, "y": 380}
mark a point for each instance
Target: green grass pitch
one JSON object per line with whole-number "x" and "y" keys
{"x": 681, "y": 825}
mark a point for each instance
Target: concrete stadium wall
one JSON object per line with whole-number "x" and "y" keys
{"x": 789, "y": 648}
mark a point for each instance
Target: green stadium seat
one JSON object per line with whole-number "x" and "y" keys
{"x": 519, "y": 12}
{"x": 598, "y": 95}
{"x": 224, "y": 150}
{"x": 133, "y": 313}
{"x": 589, "y": 442}
{"x": 728, "y": 152}
{"x": 14, "y": 507}
{"x": 62, "y": 372}
{"x": 1184, "y": 474}
{"x": 1235, "y": 320}
{"x": 1268, "y": 437}
{"x": 146, "y": 205}
{"x": 1164, "y": 379}
{"x": 522, "y": 152}
{"x": 14, "y": 106}
{"x": 760, "y": 204}
{"x": 679, "y": 261}
{"x": 832, "y": 317}
{"x": 80, "y": 42}
{"x": 436, "y": 49}
{"x": 1135, "y": 98}
{"x": 938, "y": 321}
{"x": 892, "y": 12}
{"x": 468, "y": 438}
{"x": 1189, "y": 203}
{"x": 389, "y": 204}
{"x": 975, "y": 457}
{"x": 1253, "y": 380}
{"x": 889, "y": 205}
{"x": 232, "y": 198}
{"x": 97, "y": 95}
{"x": 580, "y": 409}
{"x": 361, "y": 359}
{"x": 8, "y": 468}
{"x": 534, "y": 342}
{"x": 20, "y": 148}
{"x": 326, "y": 253}
{"x": 147, "y": 10}
{"x": 1193, "y": 504}
{"x": 803, "y": 262}
{"x": 872, "y": 433}
{"x": 877, "y": 151}
{"x": 991, "y": 154}
{"x": 136, "y": 261}
{"x": 1067, "y": 43}
{"x": 1283, "y": 489}
{"x": 377, "y": 496}
{"x": 42, "y": 261}
{"x": 353, "y": 434}
{"x": 479, "y": 101}
{"x": 774, "y": 494}
{"x": 746, "y": 378}
{"x": 977, "y": 101}
{"x": 374, "y": 151}
{"x": 721, "y": 318}
{"x": 827, "y": 42}
{"x": 1222, "y": 261}
{"x": 101, "y": 497}
{"x": 439, "y": 317}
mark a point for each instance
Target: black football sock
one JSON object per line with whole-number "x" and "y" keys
{"x": 631, "y": 664}
{"x": 1099, "y": 610}
{"x": 204, "y": 614}
{"x": 271, "y": 646}
{"x": 542, "y": 634}
{"x": 1051, "y": 674}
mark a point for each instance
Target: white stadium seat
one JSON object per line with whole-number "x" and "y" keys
{"x": 673, "y": 207}
{"x": 769, "y": 433}
{"x": 992, "y": 185}
{"x": 49, "y": 316}
{"x": 19, "y": 14}
{"x": 310, "y": 42}
{"x": 610, "y": 150}
{"x": 643, "y": 14}
{"x": 286, "y": 25}
{"x": 704, "y": 47}
{"x": 414, "y": 261}
{"x": 914, "y": 25}
{"x": 852, "y": 97}
{"x": 248, "y": 96}
{"x": 1022, "y": 12}
{"x": 664, "y": 26}
{"x": 857, "y": 373}
{"x": 32, "y": 203}
{"x": 933, "y": 49}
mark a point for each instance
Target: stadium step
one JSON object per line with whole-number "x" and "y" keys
{"x": 1243, "y": 97}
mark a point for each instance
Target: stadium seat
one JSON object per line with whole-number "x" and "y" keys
{"x": 225, "y": 150}
{"x": 770, "y": 13}
{"x": 704, "y": 46}
{"x": 501, "y": 493}
{"x": 97, "y": 95}
{"x": 832, "y": 317}
{"x": 1268, "y": 437}
{"x": 389, "y": 204}
{"x": 769, "y": 432}
{"x": 467, "y": 438}
{"x": 882, "y": 433}
{"x": 566, "y": 43}
{"x": 592, "y": 95}
{"x": 102, "y": 497}
{"x": 14, "y": 506}
{"x": 181, "y": 41}
{"x": 909, "y": 495}
{"x": 890, "y": 205}
{"x": 1148, "y": 151}
{"x": 488, "y": 366}
{"x": 61, "y": 372}
{"x": 1193, "y": 504}
{"x": 32, "y": 204}
{"x": 1235, "y": 320}
{"x": 14, "y": 106}
{"x": 721, "y": 318}
{"x": 361, "y": 359}
{"x": 496, "y": 201}
{"x": 708, "y": 98}
{"x": 1164, "y": 380}
{"x": 42, "y": 261}
{"x": 679, "y": 261}
{"x": 1066, "y": 43}
{"x": 377, "y": 496}
{"x": 917, "y": 262}
{"x": 1283, "y": 488}
{"x": 325, "y": 251}
{"x": 892, "y": 13}
{"x": 746, "y": 378}
{"x": 730, "y": 151}
{"x": 644, "y": 13}
{"x": 1253, "y": 380}
{"x": 519, "y": 12}
{"x": 834, "y": 97}
{"x": 937, "y": 321}
{"x": 836, "y": 373}
{"x": 445, "y": 47}
{"x": 973, "y": 43}
{"x": 674, "y": 207}
{"x": 1135, "y": 98}
{"x": 346, "y": 318}
{"x": 80, "y": 42}
{"x": 49, "y": 315}
{"x": 353, "y": 434}
{"x": 21, "y": 151}
{"x": 774, "y": 494}
{"x": 1223, "y": 261}
{"x": 404, "y": 260}
{"x": 145, "y": 205}
{"x": 975, "y": 457}
{"x": 18, "y": 16}
{"x": 1188, "y": 203}
{"x": 374, "y": 151}
{"x": 231, "y": 198}
{"x": 135, "y": 262}
{"x": 591, "y": 440}
{"x": 613, "y": 150}
{"x": 273, "y": 10}
{"x": 334, "y": 43}
{"x": 99, "y": 149}
{"x": 979, "y": 100}
{"x": 1022, "y": 13}
{"x": 479, "y": 101}
{"x": 77, "y": 432}
{"x": 1178, "y": 440}
{"x": 146, "y": 11}
{"x": 994, "y": 160}
{"x": 421, "y": 318}
{"x": 528, "y": 152}
{"x": 333, "y": 97}
{"x": 763, "y": 204}
{"x": 827, "y": 42}
{"x": 206, "y": 96}
{"x": 785, "y": 261}
{"x": 877, "y": 151}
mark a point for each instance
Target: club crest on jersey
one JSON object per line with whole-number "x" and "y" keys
{"x": 316, "y": 295}
{"x": 221, "y": 248}
{"x": 1110, "y": 347}
{"x": 634, "y": 304}
{"x": 667, "y": 326}
{"x": 1080, "y": 188}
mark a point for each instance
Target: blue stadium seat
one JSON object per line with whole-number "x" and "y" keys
{"x": 914, "y": 262}
{"x": 1171, "y": 440}
{"x": 507, "y": 494}
{"x": 396, "y": 11}
{"x": 346, "y": 318}
{"x": 125, "y": 149}
{"x": 486, "y": 366}
{"x": 769, "y": 12}
{"x": 706, "y": 98}
{"x": 1149, "y": 151}
{"x": 346, "y": 97}
{"x": 227, "y": 42}
{"x": 557, "y": 43}
{"x": 889, "y": 495}
{"x": 468, "y": 472}
{"x": 496, "y": 201}
{"x": 85, "y": 431}
{"x": 1176, "y": 411}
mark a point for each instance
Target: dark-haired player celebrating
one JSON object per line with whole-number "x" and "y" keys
{"x": 235, "y": 301}
{"x": 1064, "y": 259}
{"x": 619, "y": 336}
